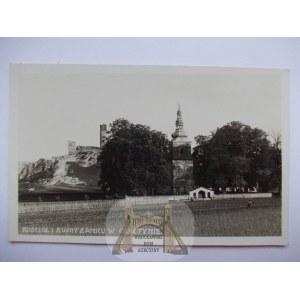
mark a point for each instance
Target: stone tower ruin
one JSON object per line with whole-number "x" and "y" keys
{"x": 71, "y": 147}
{"x": 103, "y": 129}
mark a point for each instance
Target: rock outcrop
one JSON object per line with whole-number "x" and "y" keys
{"x": 78, "y": 169}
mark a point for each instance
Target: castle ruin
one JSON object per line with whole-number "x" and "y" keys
{"x": 183, "y": 181}
{"x": 73, "y": 149}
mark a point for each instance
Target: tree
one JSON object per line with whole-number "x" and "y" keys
{"x": 275, "y": 156}
{"x": 276, "y": 138}
{"x": 135, "y": 160}
{"x": 237, "y": 155}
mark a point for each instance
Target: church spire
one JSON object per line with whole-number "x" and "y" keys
{"x": 179, "y": 132}
{"x": 179, "y": 122}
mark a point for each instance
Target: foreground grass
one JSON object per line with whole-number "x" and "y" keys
{"x": 254, "y": 221}
{"x": 258, "y": 221}
{"x": 87, "y": 218}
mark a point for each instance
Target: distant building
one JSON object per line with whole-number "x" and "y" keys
{"x": 201, "y": 194}
{"x": 103, "y": 130}
{"x": 80, "y": 149}
{"x": 182, "y": 159}
{"x": 73, "y": 149}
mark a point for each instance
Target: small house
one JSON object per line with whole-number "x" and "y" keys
{"x": 201, "y": 193}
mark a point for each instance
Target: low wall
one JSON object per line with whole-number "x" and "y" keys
{"x": 243, "y": 196}
{"x": 60, "y": 196}
{"x": 228, "y": 204}
{"x": 27, "y": 207}
{"x": 153, "y": 199}
{"x": 64, "y": 205}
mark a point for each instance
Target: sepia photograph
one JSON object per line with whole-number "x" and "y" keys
{"x": 150, "y": 156}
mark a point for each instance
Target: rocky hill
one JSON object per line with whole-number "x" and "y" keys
{"x": 76, "y": 170}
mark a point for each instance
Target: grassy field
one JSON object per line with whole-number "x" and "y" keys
{"x": 89, "y": 218}
{"x": 210, "y": 219}
{"x": 257, "y": 221}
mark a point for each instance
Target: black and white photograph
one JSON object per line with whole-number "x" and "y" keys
{"x": 102, "y": 153}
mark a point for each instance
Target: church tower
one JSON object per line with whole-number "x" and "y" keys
{"x": 182, "y": 159}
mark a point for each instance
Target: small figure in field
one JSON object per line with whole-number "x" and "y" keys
{"x": 249, "y": 203}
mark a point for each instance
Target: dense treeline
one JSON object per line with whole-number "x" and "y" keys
{"x": 137, "y": 160}
{"x": 238, "y": 156}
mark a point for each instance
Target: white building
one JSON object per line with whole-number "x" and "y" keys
{"x": 201, "y": 194}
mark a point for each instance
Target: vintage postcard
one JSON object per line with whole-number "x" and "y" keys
{"x": 158, "y": 157}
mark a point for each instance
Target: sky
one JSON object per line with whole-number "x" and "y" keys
{"x": 60, "y": 103}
